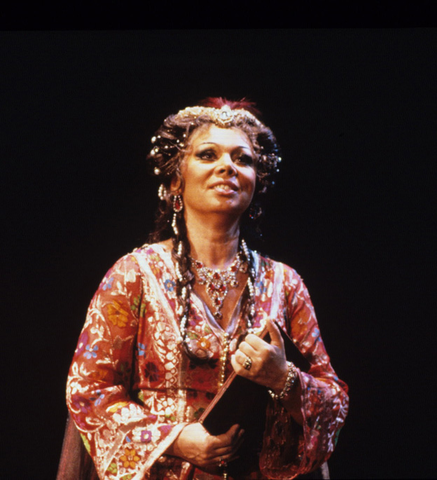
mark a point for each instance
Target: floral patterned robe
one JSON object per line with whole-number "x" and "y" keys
{"x": 131, "y": 390}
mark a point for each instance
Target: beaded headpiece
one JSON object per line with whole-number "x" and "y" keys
{"x": 223, "y": 117}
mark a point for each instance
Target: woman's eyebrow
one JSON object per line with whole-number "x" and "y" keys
{"x": 236, "y": 146}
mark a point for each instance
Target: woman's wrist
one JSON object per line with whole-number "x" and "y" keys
{"x": 292, "y": 375}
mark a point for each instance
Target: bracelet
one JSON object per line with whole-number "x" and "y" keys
{"x": 289, "y": 382}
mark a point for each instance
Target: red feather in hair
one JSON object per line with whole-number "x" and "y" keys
{"x": 219, "y": 102}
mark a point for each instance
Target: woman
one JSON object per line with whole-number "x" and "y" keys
{"x": 173, "y": 319}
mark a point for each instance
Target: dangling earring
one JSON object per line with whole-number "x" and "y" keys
{"x": 178, "y": 206}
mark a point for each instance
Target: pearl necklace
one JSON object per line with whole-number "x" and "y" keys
{"x": 218, "y": 282}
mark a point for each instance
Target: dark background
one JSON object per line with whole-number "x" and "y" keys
{"x": 354, "y": 110}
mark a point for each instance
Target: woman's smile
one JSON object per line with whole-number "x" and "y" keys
{"x": 226, "y": 188}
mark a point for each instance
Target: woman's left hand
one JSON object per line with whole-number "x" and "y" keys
{"x": 268, "y": 363}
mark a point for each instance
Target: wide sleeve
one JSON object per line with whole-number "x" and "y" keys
{"x": 290, "y": 449}
{"x": 122, "y": 436}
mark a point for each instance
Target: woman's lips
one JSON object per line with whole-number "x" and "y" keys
{"x": 224, "y": 190}
{"x": 225, "y": 187}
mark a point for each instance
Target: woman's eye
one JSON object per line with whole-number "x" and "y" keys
{"x": 245, "y": 159}
{"x": 206, "y": 155}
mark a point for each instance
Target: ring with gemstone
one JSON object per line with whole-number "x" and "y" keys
{"x": 247, "y": 363}
{"x": 222, "y": 463}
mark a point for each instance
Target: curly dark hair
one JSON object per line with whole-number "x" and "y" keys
{"x": 170, "y": 144}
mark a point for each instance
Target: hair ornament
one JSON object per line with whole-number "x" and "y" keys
{"x": 162, "y": 192}
{"x": 223, "y": 117}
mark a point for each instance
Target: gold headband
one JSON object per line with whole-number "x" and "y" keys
{"x": 223, "y": 117}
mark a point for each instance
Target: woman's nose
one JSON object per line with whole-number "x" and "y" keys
{"x": 226, "y": 164}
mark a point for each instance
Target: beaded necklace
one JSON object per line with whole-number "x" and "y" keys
{"x": 217, "y": 282}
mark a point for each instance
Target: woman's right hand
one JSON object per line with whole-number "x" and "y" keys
{"x": 195, "y": 445}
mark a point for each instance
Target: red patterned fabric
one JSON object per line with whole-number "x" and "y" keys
{"x": 131, "y": 390}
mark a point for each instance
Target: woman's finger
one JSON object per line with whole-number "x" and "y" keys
{"x": 247, "y": 349}
{"x": 228, "y": 438}
{"x": 224, "y": 455}
{"x": 242, "y": 359}
{"x": 254, "y": 341}
{"x": 275, "y": 334}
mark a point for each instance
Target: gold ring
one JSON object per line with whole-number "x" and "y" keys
{"x": 222, "y": 463}
{"x": 247, "y": 363}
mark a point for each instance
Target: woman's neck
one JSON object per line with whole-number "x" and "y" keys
{"x": 214, "y": 243}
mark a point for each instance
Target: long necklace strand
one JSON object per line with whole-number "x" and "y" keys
{"x": 223, "y": 359}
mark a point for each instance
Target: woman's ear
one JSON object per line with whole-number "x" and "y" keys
{"x": 175, "y": 186}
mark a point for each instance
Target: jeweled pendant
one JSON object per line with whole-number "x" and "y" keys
{"x": 178, "y": 204}
{"x": 218, "y": 281}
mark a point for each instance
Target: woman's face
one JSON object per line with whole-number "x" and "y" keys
{"x": 219, "y": 172}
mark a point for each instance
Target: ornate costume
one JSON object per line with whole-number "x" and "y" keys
{"x": 131, "y": 389}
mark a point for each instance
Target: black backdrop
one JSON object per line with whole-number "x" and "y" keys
{"x": 355, "y": 113}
